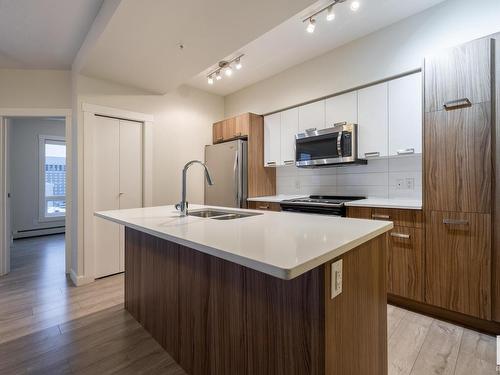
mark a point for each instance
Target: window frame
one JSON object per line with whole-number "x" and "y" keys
{"x": 42, "y": 199}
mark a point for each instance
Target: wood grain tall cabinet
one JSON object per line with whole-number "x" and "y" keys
{"x": 458, "y": 104}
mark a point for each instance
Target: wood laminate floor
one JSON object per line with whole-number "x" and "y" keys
{"x": 47, "y": 326}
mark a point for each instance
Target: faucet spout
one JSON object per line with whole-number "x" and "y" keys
{"x": 182, "y": 206}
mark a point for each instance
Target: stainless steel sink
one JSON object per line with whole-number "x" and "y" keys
{"x": 222, "y": 215}
{"x": 207, "y": 213}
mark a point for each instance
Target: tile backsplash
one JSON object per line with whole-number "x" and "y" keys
{"x": 398, "y": 177}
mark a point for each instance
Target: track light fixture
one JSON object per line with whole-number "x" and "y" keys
{"x": 330, "y": 15}
{"x": 226, "y": 67}
{"x": 311, "y": 26}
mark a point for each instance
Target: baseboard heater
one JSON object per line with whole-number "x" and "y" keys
{"x": 39, "y": 232}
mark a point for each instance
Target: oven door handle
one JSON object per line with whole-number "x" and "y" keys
{"x": 339, "y": 144}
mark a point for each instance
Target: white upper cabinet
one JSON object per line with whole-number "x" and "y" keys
{"x": 405, "y": 115}
{"x": 289, "y": 128}
{"x": 342, "y": 108}
{"x": 312, "y": 116}
{"x": 272, "y": 140}
{"x": 373, "y": 121}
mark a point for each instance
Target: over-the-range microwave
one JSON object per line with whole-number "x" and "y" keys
{"x": 332, "y": 147}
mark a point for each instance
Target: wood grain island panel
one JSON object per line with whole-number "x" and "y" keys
{"x": 217, "y": 317}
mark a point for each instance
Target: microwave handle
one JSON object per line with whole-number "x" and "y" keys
{"x": 339, "y": 144}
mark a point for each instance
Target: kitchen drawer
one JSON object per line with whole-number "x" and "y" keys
{"x": 405, "y": 263}
{"x": 359, "y": 212}
{"x": 265, "y": 206}
{"x": 400, "y": 217}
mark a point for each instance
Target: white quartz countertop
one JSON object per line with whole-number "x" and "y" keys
{"x": 281, "y": 244}
{"x": 276, "y": 198}
{"x": 387, "y": 203}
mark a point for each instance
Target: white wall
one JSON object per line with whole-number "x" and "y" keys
{"x": 393, "y": 50}
{"x": 182, "y": 127}
{"x": 35, "y": 88}
{"x": 24, "y": 164}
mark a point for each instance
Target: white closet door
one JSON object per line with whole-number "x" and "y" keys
{"x": 106, "y": 194}
{"x": 130, "y": 174}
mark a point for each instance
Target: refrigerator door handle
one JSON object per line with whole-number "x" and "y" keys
{"x": 236, "y": 177}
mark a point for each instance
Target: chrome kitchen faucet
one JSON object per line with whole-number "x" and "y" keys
{"x": 182, "y": 206}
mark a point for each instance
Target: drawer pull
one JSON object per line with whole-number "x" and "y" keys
{"x": 271, "y": 163}
{"x": 289, "y": 162}
{"x": 457, "y": 104}
{"x": 374, "y": 154}
{"x": 378, "y": 216}
{"x": 263, "y": 207}
{"x": 406, "y": 151}
{"x": 455, "y": 222}
{"x": 310, "y": 130}
{"x": 400, "y": 235}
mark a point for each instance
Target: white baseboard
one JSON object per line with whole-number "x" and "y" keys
{"x": 80, "y": 280}
{"x": 39, "y": 232}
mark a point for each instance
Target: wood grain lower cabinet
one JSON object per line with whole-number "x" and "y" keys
{"x": 405, "y": 263}
{"x": 266, "y": 206}
{"x": 458, "y": 262}
{"x": 405, "y": 254}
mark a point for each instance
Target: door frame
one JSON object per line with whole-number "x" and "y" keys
{"x": 89, "y": 112}
{"x": 5, "y": 237}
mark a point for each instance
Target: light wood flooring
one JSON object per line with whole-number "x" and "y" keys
{"x": 47, "y": 326}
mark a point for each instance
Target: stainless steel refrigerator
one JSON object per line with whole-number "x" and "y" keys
{"x": 227, "y": 163}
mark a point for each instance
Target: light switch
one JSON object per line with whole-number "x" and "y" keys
{"x": 336, "y": 278}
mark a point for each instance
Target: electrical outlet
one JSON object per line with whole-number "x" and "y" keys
{"x": 410, "y": 183}
{"x": 336, "y": 278}
{"x": 400, "y": 184}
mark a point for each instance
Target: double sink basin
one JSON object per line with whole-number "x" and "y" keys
{"x": 221, "y": 214}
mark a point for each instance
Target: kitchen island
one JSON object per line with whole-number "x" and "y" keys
{"x": 255, "y": 295}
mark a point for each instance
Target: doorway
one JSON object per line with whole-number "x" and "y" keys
{"x": 35, "y": 187}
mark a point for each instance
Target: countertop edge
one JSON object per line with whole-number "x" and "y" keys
{"x": 281, "y": 273}
{"x": 379, "y": 205}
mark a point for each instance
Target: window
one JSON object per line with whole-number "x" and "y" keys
{"x": 52, "y": 178}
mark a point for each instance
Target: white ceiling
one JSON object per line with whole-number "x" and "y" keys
{"x": 289, "y": 44}
{"x": 139, "y": 46}
{"x": 43, "y": 34}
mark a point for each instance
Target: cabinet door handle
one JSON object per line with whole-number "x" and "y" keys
{"x": 372, "y": 154}
{"x": 270, "y": 163}
{"x": 263, "y": 207}
{"x": 457, "y": 104}
{"x": 400, "y": 235}
{"x": 379, "y": 216}
{"x": 455, "y": 222}
{"x": 311, "y": 130}
{"x": 237, "y": 134}
{"x": 289, "y": 162}
{"x": 406, "y": 151}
